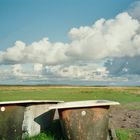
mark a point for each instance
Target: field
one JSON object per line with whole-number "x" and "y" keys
{"x": 125, "y": 117}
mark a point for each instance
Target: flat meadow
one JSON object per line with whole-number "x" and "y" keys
{"x": 69, "y": 93}
{"x": 128, "y": 97}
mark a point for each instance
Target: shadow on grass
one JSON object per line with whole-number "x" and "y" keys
{"x": 53, "y": 132}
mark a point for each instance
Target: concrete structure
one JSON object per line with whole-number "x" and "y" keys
{"x": 84, "y": 120}
{"x": 19, "y": 119}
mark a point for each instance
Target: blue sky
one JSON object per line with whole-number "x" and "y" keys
{"x": 25, "y": 26}
{"x": 31, "y": 20}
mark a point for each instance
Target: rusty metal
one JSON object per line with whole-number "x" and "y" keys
{"x": 22, "y": 119}
{"x": 85, "y": 120}
{"x": 85, "y": 123}
{"x": 11, "y": 122}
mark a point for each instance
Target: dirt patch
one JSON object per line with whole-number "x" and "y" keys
{"x": 127, "y": 117}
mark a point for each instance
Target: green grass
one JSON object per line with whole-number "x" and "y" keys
{"x": 128, "y": 134}
{"x": 68, "y": 94}
{"x": 122, "y": 95}
{"x": 41, "y": 136}
{"x": 53, "y": 133}
{"x": 123, "y": 134}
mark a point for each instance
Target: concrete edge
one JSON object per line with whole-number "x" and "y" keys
{"x": 80, "y": 104}
{"x": 29, "y": 102}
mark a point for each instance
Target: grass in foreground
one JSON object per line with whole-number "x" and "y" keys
{"x": 41, "y": 136}
{"x": 123, "y": 95}
{"x": 123, "y": 134}
{"x": 128, "y": 134}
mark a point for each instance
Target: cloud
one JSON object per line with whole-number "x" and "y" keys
{"x": 17, "y": 70}
{"x": 107, "y": 50}
{"x": 13, "y": 54}
{"x": 43, "y": 52}
{"x": 19, "y": 73}
{"x": 124, "y": 66}
{"x": 86, "y": 72}
{"x": 106, "y": 38}
{"x": 135, "y": 10}
{"x": 116, "y": 37}
{"x": 38, "y": 68}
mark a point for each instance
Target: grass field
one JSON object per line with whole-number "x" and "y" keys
{"x": 120, "y": 94}
{"x": 124, "y": 95}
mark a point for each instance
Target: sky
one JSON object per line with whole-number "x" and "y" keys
{"x": 76, "y": 42}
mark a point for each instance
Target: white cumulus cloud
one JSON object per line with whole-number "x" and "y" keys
{"x": 100, "y": 52}
{"x": 43, "y": 52}
{"x": 106, "y": 38}
{"x": 116, "y": 37}
{"x": 135, "y": 10}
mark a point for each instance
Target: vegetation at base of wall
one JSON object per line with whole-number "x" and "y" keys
{"x": 128, "y": 134}
{"x": 41, "y": 136}
{"x": 53, "y": 132}
{"x": 123, "y": 134}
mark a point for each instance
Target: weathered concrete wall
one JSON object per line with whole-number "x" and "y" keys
{"x": 36, "y": 118}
